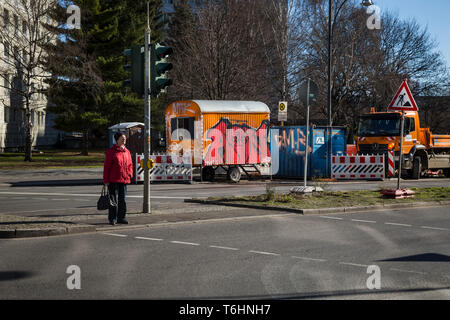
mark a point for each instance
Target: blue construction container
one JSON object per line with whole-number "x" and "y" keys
{"x": 288, "y": 162}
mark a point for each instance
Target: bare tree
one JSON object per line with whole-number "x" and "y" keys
{"x": 218, "y": 55}
{"x": 368, "y": 65}
{"x": 21, "y": 68}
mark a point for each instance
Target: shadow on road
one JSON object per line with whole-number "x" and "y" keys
{"x": 426, "y": 257}
{"x": 61, "y": 183}
{"x": 319, "y": 294}
{"x": 14, "y": 275}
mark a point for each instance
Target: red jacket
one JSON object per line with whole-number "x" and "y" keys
{"x": 118, "y": 167}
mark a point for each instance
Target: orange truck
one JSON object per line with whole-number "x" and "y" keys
{"x": 379, "y": 132}
{"x": 230, "y": 136}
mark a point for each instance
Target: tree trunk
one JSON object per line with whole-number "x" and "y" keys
{"x": 85, "y": 151}
{"x": 28, "y": 139}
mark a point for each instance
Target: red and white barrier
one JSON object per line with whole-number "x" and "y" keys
{"x": 391, "y": 169}
{"x": 166, "y": 168}
{"x": 357, "y": 167}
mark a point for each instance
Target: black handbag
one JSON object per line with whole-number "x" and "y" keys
{"x": 105, "y": 201}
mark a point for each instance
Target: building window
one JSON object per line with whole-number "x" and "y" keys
{"x": 6, "y": 84}
{"x": 32, "y": 92}
{"x": 6, "y": 50}
{"x": 16, "y": 54}
{"x": 6, "y": 114}
{"x": 6, "y": 19}
{"x": 16, "y": 25}
{"x": 24, "y": 28}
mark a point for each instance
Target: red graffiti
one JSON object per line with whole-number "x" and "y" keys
{"x": 237, "y": 144}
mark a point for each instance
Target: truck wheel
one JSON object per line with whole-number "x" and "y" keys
{"x": 208, "y": 174}
{"x": 417, "y": 168}
{"x": 234, "y": 174}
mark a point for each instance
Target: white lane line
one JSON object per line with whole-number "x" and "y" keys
{"x": 186, "y": 243}
{"x": 354, "y": 264}
{"x": 367, "y": 221}
{"x": 115, "y": 235}
{"x": 225, "y": 248}
{"x": 309, "y": 259}
{"x": 265, "y": 253}
{"x": 398, "y": 224}
{"x": 434, "y": 228}
{"x": 334, "y": 218}
{"x": 407, "y": 271}
{"x": 151, "y": 239}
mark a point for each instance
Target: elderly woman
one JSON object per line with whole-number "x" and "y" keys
{"x": 117, "y": 173}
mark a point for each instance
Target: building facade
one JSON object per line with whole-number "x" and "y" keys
{"x": 15, "y": 37}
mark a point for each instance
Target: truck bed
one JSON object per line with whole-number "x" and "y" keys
{"x": 440, "y": 141}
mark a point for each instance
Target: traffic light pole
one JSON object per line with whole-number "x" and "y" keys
{"x": 147, "y": 141}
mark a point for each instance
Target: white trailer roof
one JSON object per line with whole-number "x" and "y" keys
{"x": 224, "y": 106}
{"x": 125, "y": 125}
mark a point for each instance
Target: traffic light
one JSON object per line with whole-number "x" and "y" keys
{"x": 159, "y": 68}
{"x": 137, "y": 68}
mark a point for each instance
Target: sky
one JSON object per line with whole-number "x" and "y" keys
{"x": 431, "y": 13}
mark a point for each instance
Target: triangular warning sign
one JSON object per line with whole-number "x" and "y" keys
{"x": 403, "y": 100}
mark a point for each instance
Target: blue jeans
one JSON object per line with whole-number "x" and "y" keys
{"x": 118, "y": 192}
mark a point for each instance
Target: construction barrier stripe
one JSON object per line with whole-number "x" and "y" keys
{"x": 358, "y": 167}
{"x": 166, "y": 168}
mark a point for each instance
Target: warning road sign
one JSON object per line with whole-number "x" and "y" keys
{"x": 403, "y": 99}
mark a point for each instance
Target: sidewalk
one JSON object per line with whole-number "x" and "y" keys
{"x": 19, "y": 226}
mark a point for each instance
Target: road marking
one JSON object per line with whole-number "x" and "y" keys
{"x": 151, "y": 239}
{"x": 225, "y": 248}
{"x": 115, "y": 235}
{"x": 186, "y": 243}
{"x": 354, "y": 264}
{"x": 309, "y": 259}
{"x": 368, "y": 221}
{"x": 407, "y": 271}
{"x": 398, "y": 224}
{"x": 434, "y": 228}
{"x": 263, "y": 252}
{"x": 334, "y": 218}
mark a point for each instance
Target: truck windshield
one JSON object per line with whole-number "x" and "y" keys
{"x": 376, "y": 126}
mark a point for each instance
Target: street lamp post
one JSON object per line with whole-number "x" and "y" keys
{"x": 365, "y": 3}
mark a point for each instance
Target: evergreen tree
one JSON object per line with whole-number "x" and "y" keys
{"x": 87, "y": 90}
{"x": 75, "y": 88}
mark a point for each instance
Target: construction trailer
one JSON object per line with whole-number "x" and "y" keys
{"x": 221, "y": 136}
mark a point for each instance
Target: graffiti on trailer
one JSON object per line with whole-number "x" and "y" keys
{"x": 237, "y": 143}
{"x": 287, "y": 140}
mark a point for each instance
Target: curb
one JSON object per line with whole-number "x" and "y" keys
{"x": 29, "y": 233}
{"x": 324, "y": 210}
{"x": 241, "y": 205}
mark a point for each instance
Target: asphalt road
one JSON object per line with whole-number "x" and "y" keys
{"x": 289, "y": 256}
{"x": 30, "y": 194}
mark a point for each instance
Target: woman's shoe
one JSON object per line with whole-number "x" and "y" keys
{"x": 122, "y": 221}
{"x": 112, "y": 222}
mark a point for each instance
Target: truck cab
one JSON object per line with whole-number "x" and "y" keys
{"x": 379, "y": 132}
